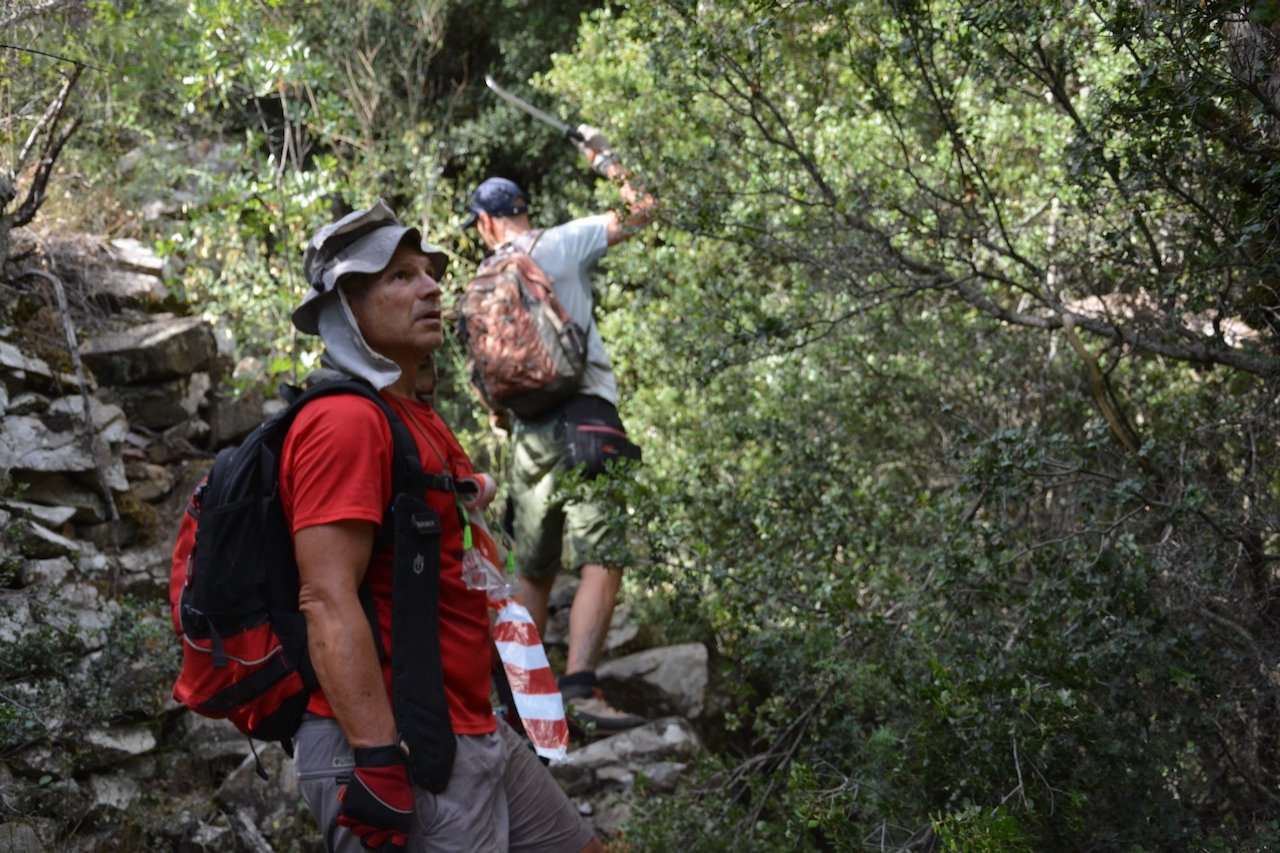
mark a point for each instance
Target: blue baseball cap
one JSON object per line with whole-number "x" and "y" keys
{"x": 496, "y": 197}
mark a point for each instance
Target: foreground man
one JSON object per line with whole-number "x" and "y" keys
{"x": 400, "y": 749}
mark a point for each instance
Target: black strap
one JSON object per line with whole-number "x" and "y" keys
{"x": 526, "y": 241}
{"x": 417, "y": 673}
{"x": 235, "y": 695}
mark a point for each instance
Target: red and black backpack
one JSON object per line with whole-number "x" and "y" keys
{"x": 233, "y": 583}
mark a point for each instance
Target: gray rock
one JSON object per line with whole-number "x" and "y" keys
{"x": 133, "y": 255}
{"x": 155, "y": 210}
{"x": 664, "y": 776}
{"x": 116, "y": 744}
{"x": 669, "y": 680}
{"x": 232, "y": 418}
{"x": 15, "y": 616}
{"x": 653, "y": 750}
{"x": 112, "y": 535}
{"x": 161, "y": 350}
{"x": 131, "y": 288}
{"x": 262, "y": 803}
{"x": 81, "y": 605}
{"x": 95, "y": 565}
{"x": 209, "y": 739}
{"x": 60, "y": 797}
{"x": 109, "y": 421}
{"x": 19, "y": 837}
{"x": 46, "y": 573}
{"x": 159, "y": 405}
{"x": 54, "y": 442}
{"x": 181, "y": 825}
{"x": 18, "y": 364}
{"x": 50, "y": 516}
{"x": 622, "y": 631}
{"x": 56, "y": 489}
{"x": 32, "y": 444}
{"x": 41, "y": 760}
{"x": 176, "y": 443}
{"x": 248, "y": 834}
{"x": 211, "y": 838}
{"x": 130, "y": 161}
{"x": 36, "y": 540}
{"x": 143, "y": 768}
{"x": 27, "y": 403}
{"x": 147, "y": 481}
{"x": 610, "y": 815}
{"x": 113, "y": 793}
{"x": 147, "y": 565}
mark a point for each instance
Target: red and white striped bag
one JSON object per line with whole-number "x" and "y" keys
{"x": 524, "y": 660}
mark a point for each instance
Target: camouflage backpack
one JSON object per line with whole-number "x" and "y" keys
{"x": 524, "y": 354}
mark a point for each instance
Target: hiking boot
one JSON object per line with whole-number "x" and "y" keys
{"x": 589, "y": 712}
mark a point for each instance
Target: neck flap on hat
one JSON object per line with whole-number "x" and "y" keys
{"x": 347, "y": 350}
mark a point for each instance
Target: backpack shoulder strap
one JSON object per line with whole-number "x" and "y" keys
{"x": 526, "y": 241}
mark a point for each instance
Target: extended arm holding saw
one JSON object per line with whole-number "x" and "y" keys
{"x": 595, "y": 148}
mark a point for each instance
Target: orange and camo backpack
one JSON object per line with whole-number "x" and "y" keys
{"x": 524, "y": 354}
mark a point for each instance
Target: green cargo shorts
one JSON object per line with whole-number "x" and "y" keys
{"x": 549, "y": 532}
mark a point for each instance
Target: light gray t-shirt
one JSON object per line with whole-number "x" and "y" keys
{"x": 566, "y": 254}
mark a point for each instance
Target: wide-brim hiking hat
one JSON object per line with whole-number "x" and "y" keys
{"x": 362, "y": 242}
{"x": 496, "y": 197}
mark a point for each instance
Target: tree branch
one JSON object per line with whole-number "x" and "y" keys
{"x": 1198, "y": 351}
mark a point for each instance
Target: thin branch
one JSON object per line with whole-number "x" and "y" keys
{"x": 40, "y": 180}
{"x": 90, "y": 432}
{"x": 1200, "y": 351}
{"x": 50, "y": 118}
{"x": 78, "y": 62}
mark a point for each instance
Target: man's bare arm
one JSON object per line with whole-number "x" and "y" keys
{"x": 641, "y": 205}
{"x": 332, "y": 560}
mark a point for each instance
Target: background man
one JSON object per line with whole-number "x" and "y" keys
{"x": 549, "y": 533}
{"x": 364, "y": 762}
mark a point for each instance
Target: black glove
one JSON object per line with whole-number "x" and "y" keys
{"x": 377, "y": 804}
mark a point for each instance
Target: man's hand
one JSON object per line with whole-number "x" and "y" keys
{"x": 500, "y": 422}
{"x": 377, "y": 805}
{"x": 596, "y": 149}
{"x": 592, "y": 141}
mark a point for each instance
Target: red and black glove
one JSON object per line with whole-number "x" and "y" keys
{"x": 377, "y": 804}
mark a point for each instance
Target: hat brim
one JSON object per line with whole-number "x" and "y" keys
{"x": 370, "y": 254}
{"x": 471, "y": 219}
{"x": 306, "y": 317}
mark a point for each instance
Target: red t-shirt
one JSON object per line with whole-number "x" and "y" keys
{"x": 336, "y": 466}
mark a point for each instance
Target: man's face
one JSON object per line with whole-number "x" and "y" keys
{"x": 399, "y": 311}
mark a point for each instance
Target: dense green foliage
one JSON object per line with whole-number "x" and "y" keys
{"x": 953, "y": 355}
